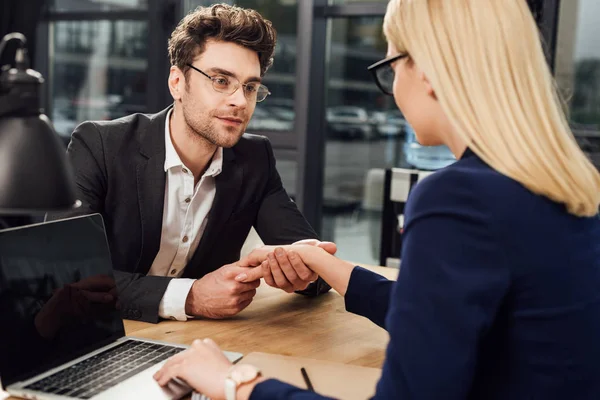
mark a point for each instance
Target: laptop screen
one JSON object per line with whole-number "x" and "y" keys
{"x": 58, "y": 296}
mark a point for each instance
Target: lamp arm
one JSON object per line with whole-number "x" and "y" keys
{"x": 12, "y": 36}
{"x": 14, "y": 100}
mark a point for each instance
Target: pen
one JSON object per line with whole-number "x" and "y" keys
{"x": 307, "y": 380}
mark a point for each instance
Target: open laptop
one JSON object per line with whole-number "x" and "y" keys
{"x": 62, "y": 335}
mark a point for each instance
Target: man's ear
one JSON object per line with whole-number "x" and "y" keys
{"x": 428, "y": 88}
{"x": 176, "y": 82}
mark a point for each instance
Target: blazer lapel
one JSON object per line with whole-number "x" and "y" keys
{"x": 228, "y": 185}
{"x": 151, "y": 189}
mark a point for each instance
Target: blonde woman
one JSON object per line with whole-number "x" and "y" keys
{"x": 498, "y": 295}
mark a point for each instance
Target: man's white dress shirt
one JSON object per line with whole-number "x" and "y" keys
{"x": 185, "y": 215}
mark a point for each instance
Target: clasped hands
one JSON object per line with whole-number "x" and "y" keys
{"x": 284, "y": 267}
{"x": 230, "y": 289}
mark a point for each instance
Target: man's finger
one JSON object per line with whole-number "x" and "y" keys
{"x": 244, "y": 305}
{"x": 267, "y": 274}
{"x": 246, "y": 296}
{"x": 280, "y": 280}
{"x": 304, "y": 273}
{"x": 250, "y": 275}
{"x": 255, "y": 258}
{"x": 243, "y": 287}
{"x": 246, "y": 261}
{"x": 235, "y": 270}
{"x": 286, "y": 267}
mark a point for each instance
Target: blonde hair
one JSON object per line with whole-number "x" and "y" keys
{"x": 485, "y": 61}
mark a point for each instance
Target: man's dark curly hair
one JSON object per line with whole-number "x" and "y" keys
{"x": 222, "y": 22}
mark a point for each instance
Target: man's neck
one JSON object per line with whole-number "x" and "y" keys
{"x": 194, "y": 151}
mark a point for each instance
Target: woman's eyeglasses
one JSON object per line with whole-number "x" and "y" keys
{"x": 253, "y": 91}
{"x": 383, "y": 72}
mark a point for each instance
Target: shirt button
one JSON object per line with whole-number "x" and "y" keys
{"x": 185, "y": 239}
{"x": 185, "y": 171}
{"x": 173, "y": 271}
{"x": 188, "y": 200}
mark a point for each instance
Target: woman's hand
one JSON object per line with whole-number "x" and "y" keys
{"x": 203, "y": 366}
{"x": 283, "y": 270}
{"x": 274, "y": 262}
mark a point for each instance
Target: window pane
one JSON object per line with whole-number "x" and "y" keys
{"x": 276, "y": 113}
{"x": 288, "y": 171}
{"x": 98, "y": 71}
{"x": 97, "y": 5}
{"x": 366, "y": 133}
{"x": 578, "y": 70}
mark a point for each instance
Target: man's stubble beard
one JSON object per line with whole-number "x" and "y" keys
{"x": 204, "y": 129}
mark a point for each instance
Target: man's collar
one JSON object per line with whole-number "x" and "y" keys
{"x": 216, "y": 165}
{"x": 171, "y": 157}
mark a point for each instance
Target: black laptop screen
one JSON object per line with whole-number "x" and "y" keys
{"x": 58, "y": 296}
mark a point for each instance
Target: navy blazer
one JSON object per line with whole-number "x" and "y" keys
{"x": 498, "y": 296}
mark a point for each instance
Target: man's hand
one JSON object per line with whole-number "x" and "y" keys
{"x": 281, "y": 269}
{"x": 218, "y": 295}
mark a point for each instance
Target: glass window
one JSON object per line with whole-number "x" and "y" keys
{"x": 287, "y": 170}
{"x": 97, "y": 5}
{"x": 578, "y": 70}
{"x": 98, "y": 71}
{"x": 276, "y": 113}
{"x": 366, "y": 133}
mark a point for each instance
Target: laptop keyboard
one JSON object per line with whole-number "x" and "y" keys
{"x": 104, "y": 370}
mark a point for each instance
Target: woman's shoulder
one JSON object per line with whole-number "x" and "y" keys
{"x": 468, "y": 183}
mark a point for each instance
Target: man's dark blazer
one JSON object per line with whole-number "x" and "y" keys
{"x": 119, "y": 173}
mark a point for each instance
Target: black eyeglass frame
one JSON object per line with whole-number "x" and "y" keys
{"x": 383, "y": 64}
{"x": 243, "y": 85}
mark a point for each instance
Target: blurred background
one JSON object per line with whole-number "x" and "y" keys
{"x": 333, "y": 132}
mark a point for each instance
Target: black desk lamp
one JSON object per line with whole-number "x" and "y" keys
{"x": 34, "y": 174}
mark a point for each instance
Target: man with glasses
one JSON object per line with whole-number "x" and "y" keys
{"x": 180, "y": 190}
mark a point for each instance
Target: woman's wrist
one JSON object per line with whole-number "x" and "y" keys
{"x": 245, "y": 390}
{"x": 334, "y": 271}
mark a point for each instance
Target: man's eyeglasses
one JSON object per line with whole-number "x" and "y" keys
{"x": 253, "y": 91}
{"x": 383, "y": 72}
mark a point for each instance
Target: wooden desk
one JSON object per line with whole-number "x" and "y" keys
{"x": 288, "y": 324}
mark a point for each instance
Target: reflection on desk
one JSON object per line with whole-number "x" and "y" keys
{"x": 287, "y": 324}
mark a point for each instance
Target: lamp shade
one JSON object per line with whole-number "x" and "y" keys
{"x": 35, "y": 176}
